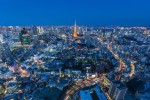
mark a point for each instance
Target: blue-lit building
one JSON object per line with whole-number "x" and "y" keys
{"x": 92, "y": 93}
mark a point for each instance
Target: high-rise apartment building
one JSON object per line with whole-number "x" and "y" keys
{"x": 117, "y": 90}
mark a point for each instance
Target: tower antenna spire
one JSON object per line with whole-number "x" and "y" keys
{"x": 75, "y": 22}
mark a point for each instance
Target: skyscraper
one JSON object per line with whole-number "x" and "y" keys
{"x": 25, "y": 37}
{"x": 1, "y": 38}
{"x": 75, "y": 31}
{"x": 41, "y": 30}
{"x": 35, "y": 31}
{"x": 38, "y": 30}
{"x": 35, "y": 41}
{"x": 5, "y": 53}
{"x": 117, "y": 90}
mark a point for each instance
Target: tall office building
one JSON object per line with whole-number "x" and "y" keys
{"x": 10, "y": 31}
{"x": 35, "y": 41}
{"x": 117, "y": 90}
{"x": 5, "y": 53}
{"x": 25, "y": 37}
{"x": 21, "y": 34}
{"x": 38, "y": 30}
{"x": 1, "y": 38}
{"x": 41, "y": 30}
{"x": 35, "y": 31}
{"x": 75, "y": 31}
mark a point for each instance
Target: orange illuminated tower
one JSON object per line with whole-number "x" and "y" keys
{"x": 75, "y": 31}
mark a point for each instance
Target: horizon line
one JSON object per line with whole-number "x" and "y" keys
{"x": 81, "y": 25}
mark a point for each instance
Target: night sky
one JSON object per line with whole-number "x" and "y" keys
{"x": 85, "y": 12}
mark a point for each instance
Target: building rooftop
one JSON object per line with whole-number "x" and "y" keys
{"x": 85, "y": 95}
{"x": 119, "y": 84}
{"x": 92, "y": 93}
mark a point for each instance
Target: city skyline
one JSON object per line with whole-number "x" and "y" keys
{"x": 86, "y": 12}
{"x": 74, "y": 63}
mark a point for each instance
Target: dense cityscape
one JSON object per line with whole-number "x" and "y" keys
{"x": 74, "y": 63}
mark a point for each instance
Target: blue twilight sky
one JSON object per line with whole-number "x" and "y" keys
{"x": 86, "y": 12}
